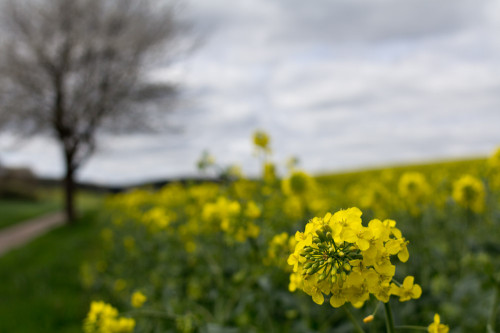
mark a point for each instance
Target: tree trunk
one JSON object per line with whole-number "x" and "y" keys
{"x": 69, "y": 190}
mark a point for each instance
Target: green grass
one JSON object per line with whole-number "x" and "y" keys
{"x": 15, "y": 211}
{"x": 40, "y": 286}
{"x": 41, "y": 290}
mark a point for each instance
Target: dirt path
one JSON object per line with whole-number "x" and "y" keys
{"x": 22, "y": 233}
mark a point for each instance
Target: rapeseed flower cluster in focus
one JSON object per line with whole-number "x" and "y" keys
{"x": 337, "y": 256}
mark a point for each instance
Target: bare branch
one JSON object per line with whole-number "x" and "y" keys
{"x": 73, "y": 68}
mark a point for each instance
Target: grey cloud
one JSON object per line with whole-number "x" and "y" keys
{"x": 340, "y": 84}
{"x": 359, "y": 20}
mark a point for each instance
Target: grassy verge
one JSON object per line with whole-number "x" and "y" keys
{"x": 40, "y": 286}
{"x": 13, "y": 211}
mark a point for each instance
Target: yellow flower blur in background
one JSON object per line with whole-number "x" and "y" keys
{"x": 279, "y": 248}
{"x": 469, "y": 192}
{"x": 494, "y": 160}
{"x": 414, "y": 190}
{"x": 261, "y": 139}
{"x": 298, "y": 183}
{"x": 138, "y": 299}
{"x": 494, "y": 169}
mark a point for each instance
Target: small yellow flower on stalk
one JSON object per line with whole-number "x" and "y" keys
{"x": 408, "y": 290}
{"x": 138, "y": 299}
{"x": 469, "y": 193}
{"x": 437, "y": 327}
{"x": 261, "y": 139}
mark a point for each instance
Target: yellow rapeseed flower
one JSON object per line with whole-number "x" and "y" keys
{"x": 437, "y": 327}
{"x": 336, "y": 255}
{"x": 408, "y": 290}
{"x": 103, "y": 318}
{"x": 414, "y": 190}
{"x": 261, "y": 139}
{"x": 298, "y": 183}
{"x": 469, "y": 192}
{"x": 413, "y": 186}
{"x": 138, "y": 299}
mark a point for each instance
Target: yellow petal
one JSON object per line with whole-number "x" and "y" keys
{"x": 337, "y": 302}
{"x": 318, "y": 298}
{"x": 408, "y": 282}
{"x": 416, "y": 291}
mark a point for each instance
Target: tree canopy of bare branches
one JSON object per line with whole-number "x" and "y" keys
{"x": 69, "y": 68}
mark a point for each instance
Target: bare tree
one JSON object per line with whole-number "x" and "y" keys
{"x": 71, "y": 68}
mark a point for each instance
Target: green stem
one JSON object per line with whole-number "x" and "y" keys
{"x": 494, "y": 307}
{"x": 412, "y": 327}
{"x": 389, "y": 321}
{"x": 353, "y": 320}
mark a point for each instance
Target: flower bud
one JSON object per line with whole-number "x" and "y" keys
{"x": 321, "y": 235}
{"x": 368, "y": 319}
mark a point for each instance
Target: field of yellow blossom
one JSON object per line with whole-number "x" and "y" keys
{"x": 401, "y": 249}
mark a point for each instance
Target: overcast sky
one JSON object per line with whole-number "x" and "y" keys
{"x": 340, "y": 84}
